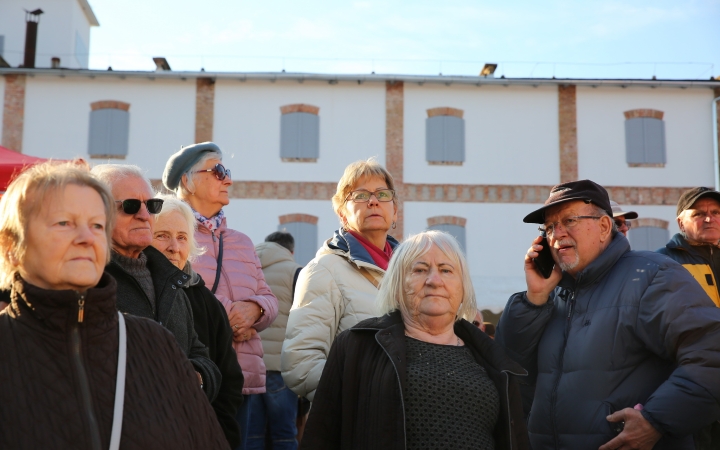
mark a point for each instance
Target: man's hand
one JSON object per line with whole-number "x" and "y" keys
{"x": 243, "y": 315}
{"x": 539, "y": 287}
{"x": 638, "y": 433}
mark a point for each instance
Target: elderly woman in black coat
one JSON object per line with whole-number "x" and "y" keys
{"x": 174, "y": 236}
{"x": 420, "y": 376}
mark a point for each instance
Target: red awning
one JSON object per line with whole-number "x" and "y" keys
{"x": 12, "y": 163}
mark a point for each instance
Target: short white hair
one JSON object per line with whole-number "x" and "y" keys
{"x": 112, "y": 173}
{"x": 183, "y": 191}
{"x": 174, "y": 204}
{"x": 392, "y": 295}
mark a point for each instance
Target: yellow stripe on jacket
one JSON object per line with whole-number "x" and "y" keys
{"x": 704, "y": 275}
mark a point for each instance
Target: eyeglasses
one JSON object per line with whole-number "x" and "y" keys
{"x": 476, "y": 323}
{"x": 363, "y": 195}
{"x": 132, "y": 205}
{"x": 219, "y": 171}
{"x": 620, "y": 223}
{"x": 567, "y": 223}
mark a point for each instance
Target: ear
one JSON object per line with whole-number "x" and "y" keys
{"x": 606, "y": 224}
{"x": 184, "y": 180}
{"x": 680, "y": 222}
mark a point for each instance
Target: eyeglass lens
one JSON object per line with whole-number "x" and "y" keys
{"x": 132, "y": 205}
{"x": 362, "y": 196}
{"x": 221, "y": 172}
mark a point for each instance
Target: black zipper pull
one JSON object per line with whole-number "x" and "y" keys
{"x": 212, "y": 232}
{"x": 81, "y": 309}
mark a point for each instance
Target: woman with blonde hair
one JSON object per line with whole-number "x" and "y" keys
{"x": 65, "y": 349}
{"x": 421, "y": 376}
{"x": 338, "y": 288}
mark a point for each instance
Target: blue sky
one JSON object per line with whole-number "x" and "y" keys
{"x": 585, "y": 39}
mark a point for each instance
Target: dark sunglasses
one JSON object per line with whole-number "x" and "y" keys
{"x": 219, "y": 171}
{"x": 476, "y": 323}
{"x": 620, "y": 223}
{"x": 132, "y": 205}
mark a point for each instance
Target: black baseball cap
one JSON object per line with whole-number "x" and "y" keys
{"x": 586, "y": 190}
{"x": 689, "y": 197}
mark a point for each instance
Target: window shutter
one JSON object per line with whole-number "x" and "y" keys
{"x": 455, "y": 231}
{"x": 454, "y": 133}
{"x": 305, "y": 235}
{"x": 635, "y": 141}
{"x": 648, "y": 238}
{"x": 309, "y": 142}
{"x": 2, "y": 45}
{"x": 435, "y": 138}
{"x": 109, "y": 133}
{"x": 654, "y": 133}
{"x": 289, "y": 136}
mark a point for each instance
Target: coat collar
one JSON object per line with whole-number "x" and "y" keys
{"x": 346, "y": 242}
{"x": 598, "y": 268}
{"x": 390, "y": 327}
{"x": 678, "y": 242}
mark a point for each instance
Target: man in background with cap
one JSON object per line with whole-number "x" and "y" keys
{"x": 622, "y": 347}
{"x": 696, "y": 247}
{"x": 622, "y": 218}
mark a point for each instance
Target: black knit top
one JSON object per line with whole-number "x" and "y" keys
{"x": 450, "y": 402}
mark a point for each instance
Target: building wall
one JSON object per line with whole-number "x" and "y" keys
{"x": 56, "y": 32}
{"x": 247, "y": 126}
{"x": 510, "y": 132}
{"x": 57, "y": 117}
{"x": 688, "y": 135}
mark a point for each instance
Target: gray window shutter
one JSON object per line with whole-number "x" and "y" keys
{"x": 454, "y": 139}
{"x": 305, "y": 235}
{"x": 299, "y": 135}
{"x": 648, "y": 238}
{"x": 2, "y": 45}
{"x": 654, "y": 133}
{"x": 455, "y": 231}
{"x": 109, "y": 132}
{"x": 635, "y": 141}
{"x": 435, "y": 138}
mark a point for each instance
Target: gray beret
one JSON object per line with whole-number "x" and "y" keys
{"x": 182, "y": 161}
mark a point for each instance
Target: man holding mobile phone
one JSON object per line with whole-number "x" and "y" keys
{"x": 622, "y": 347}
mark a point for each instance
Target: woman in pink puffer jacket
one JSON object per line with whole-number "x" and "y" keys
{"x": 197, "y": 175}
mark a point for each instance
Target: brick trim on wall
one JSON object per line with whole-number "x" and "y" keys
{"x": 13, "y": 112}
{"x": 650, "y": 222}
{"x": 447, "y": 220}
{"x": 300, "y": 107}
{"x": 204, "y": 109}
{"x": 394, "y": 147}
{"x": 567, "y": 123}
{"x": 110, "y": 104}
{"x": 445, "y": 111}
{"x": 653, "y": 113}
{"x": 305, "y": 218}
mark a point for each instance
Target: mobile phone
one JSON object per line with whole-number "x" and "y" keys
{"x": 544, "y": 261}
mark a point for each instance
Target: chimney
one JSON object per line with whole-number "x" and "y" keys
{"x": 32, "y": 18}
{"x": 55, "y": 62}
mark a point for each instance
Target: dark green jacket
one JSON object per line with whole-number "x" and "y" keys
{"x": 702, "y": 261}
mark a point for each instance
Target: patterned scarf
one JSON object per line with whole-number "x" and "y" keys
{"x": 212, "y": 223}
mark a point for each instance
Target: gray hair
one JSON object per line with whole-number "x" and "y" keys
{"x": 392, "y": 295}
{"x": 601, "y": 212}
{"x": 24, "y": 199}
{"x": 184, "y": 191}
{"x": 112, "y": 173}
{"x": 174, "y": 204}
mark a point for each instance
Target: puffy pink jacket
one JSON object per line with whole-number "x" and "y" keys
{"x": 241, "y": 280}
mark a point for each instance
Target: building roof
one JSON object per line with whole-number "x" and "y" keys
{"x": 89, "y": 14}
{"x": 366, "y": 78}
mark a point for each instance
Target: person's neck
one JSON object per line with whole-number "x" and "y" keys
{"x": 702, "y": 243}
{"x": 128, "y": 252}
{"x": 376, "y": 238}
{"x": 432, "y": 329}
{"x": 204, "y": 209}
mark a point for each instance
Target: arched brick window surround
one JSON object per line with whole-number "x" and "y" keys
{"x": 299, "y": 133}
{"x": 303, "y": 228}
{"x": 445, "y": 111}
{"x": 298, "y": 217}
{"x": 447, "y": 220}
{"x": 445, "y": 136}
{"x": 109, "y": 129}
{"x": 652, "y": 113}
{"x": 645, "y": 138}
{"x": 650, "y": 222}
{"x": 648, "y": 233}
{"x": 452, "y": 225}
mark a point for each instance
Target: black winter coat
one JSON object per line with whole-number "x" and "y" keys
{"x": 58, "y": 377}
{"x": 173, "y": 310}
{"x": 633, "y": 327}
{"x": 359, "y": 401}
{"x": 213, "y": 330}
{"x": 702, "y": 261}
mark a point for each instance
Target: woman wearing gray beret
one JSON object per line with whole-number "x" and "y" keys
{"x": 229, "y": 266}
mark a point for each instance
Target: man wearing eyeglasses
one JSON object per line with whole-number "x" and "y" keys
{"x": 622, "y": 218}
{"x": 148, "y": 285}
{"x": 622, "y": 347}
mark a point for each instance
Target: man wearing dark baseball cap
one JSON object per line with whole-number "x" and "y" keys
{"x": 622, "y": 347}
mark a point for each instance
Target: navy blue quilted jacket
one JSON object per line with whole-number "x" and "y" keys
{"x": 634, "y": 327}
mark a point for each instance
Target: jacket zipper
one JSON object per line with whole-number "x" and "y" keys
{"x": 76, "y": 355}
{"x": 402, "y": 400}
{"x": 568, "y": 324}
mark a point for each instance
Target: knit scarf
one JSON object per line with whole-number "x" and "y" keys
{"x": 212, "y": 223}
{"x": 380, "y": 257}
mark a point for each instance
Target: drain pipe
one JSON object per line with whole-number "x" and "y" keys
{"x": 716, "y": 158}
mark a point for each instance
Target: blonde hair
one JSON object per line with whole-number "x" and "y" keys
{"x": 173, "y": 204}
{"x": 392, "y": 295}
{"x": 24, "y": 198}
{"x": 353, "y": 174}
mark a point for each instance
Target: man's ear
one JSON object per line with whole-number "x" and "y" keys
{"x": 680, "y": 222}
{"x": 606, "y": 224}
